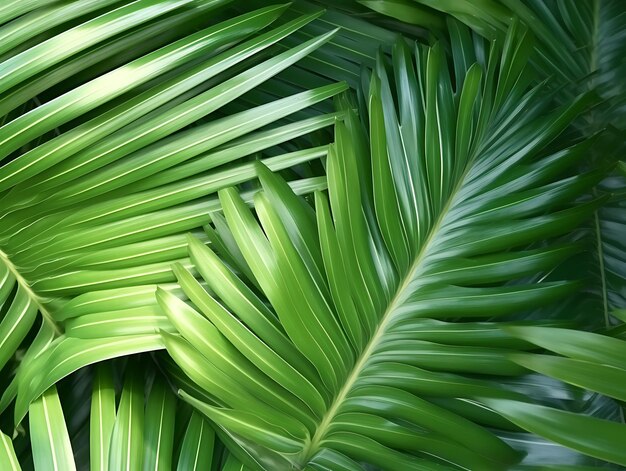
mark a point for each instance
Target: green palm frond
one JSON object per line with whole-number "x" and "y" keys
{"x": 579, "y": 43}
{"x": 400, "y": 281}
{"x": 579, "y": 46}
{"x": 143, "y": 431}
{"x": 48, "y": 430}
{"x": 7, "y": 454}
{"x": 99, "y": 183}
{"x": 323, "y": 341}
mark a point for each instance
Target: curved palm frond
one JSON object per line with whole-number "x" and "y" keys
{"x": 100, "y": 181}
{"x": 143, "y": 430}
{"x": 579, "y": 46}
{"x": 329, "y": 335}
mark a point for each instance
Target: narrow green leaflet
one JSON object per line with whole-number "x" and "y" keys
{"x": 52, "y": 450}
{"x": 8, "y": 460}
{"x": 575, "y": 344}
{"x": 196, "y": 452}
{"x": 595, "y": 437}
{"x": 126, "y": 450}
{"x": 28, "y": 26}
{"x": 16, "y": 323}
{"x": 67, "y": 355}
{"x": 124, "y": 78}
{"x": 158, "y": 435}
{"x": 102, "y": 418}
{"x": 38, "y": 58}
{"x": 87, "y": 253}
{"x": 604, "y": 379}
{"x": 13, "y": 8}
{"x": 354, "y": 282}
{"x": 40, "y": 343}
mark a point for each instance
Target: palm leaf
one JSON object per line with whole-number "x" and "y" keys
{"x": 52, "y": 448}
{"x": 579, "y": 43}
{"x": 102, "y": 421}
{"x": 7, "y": 455}
{"x": 100, "y": 182}
{"x": 388, "y": 328}
{"x": 196, "y": 451}
{"x": 423, "y": 224}
{"x": 609, "y": 228}
{"x": 579, "y": 46}
{"x": 118, "y": 438}
{"x": 595, "y": 362}
{"x": 126, "y": 452}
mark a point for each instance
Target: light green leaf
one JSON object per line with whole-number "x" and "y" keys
{"x": 570, "y": 429}
{"x": 196, "y": 452}
{"x": 158, "y": 436}
{"x": 361, "y": 297}
{"x": 578, "y": 345}
{"x": 604, "y": 379}
{"x": 66, "y": 355}
{"x": 8, "y": 460}
{"x": 52, "y": 450}
{"x": 126, "y": 450}
{"x": 102, "y": 418}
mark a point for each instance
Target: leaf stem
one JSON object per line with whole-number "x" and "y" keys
{"x": 21, "y": 281}
{"x": 605, "y": 300}
{"x": 397, "y": 300}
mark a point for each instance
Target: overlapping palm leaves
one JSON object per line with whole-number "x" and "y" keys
{"x": 367, "y": 327}
{"x": 578, "y": 46}
{"x": 577, "y": 43}
{"x": 101, "y": 182}
{"x": 436, "y": 216}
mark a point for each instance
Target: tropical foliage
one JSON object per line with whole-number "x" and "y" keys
{"x": 245, "y": 236}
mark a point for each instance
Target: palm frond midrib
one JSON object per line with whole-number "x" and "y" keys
{"x": 386, "y": 318}
{"x": 26, "y": 287}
